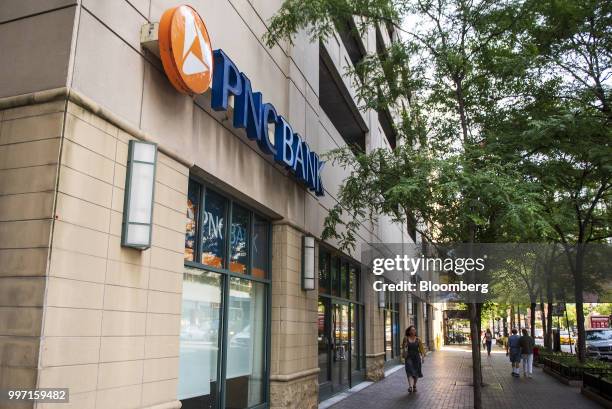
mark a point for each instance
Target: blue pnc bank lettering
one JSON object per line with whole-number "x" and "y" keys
{"x": 254, "y": 115}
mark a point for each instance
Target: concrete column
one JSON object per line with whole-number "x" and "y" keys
{"x": 294, "y": 365}
{"x": 30, "y": 140}
{"x": 375, "y": 348}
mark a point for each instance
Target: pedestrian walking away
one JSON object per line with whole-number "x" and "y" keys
{"x": 513, "y": 350}
{"x": 413, "y": 353}
{"x": 488, "y": 339}
{"x": 527, "y": 344}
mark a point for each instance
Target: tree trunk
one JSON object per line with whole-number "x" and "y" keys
{"x": 511, "y": 317}
{"x": 549, "y": 300}
{"x": 578, "y": 288}
{"x": 475, "y": 338}
{"x": 543, "y": 318}
{"x": 549, "y": 325}
{"x": 532, "y": 318}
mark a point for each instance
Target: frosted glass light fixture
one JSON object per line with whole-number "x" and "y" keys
{"x": 139, "y": 193}
{"x": 308, "y": 263}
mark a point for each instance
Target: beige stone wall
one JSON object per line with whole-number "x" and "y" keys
{"x": 35, "y": 39}
{"x": 301, "y": 393}
{"x": 294, "y": 364}
{"x": 30, "y": 139}
{"x": 374, "y": 330}
{"x": 375, "y": 368}
{"x": 374, "y": 318}
{"x": 111, "y": 322}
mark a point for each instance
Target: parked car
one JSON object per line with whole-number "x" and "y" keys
{"x": 599, "y": 343}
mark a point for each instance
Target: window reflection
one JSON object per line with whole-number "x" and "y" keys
{"x": 213, "y": 242}
{"x": 323, "y": 338}
{"x": 344, "y": 282}
{"x": 239, "y": 239}
{"x": 355, "y": 337}
{"x": 245, "y": 356}
{"x": 323, "y": 272}
{"x": 353, "y": 284}
{"x": 193, "y": 205}
{"x": 199, "y": 338}
{"x": 261, "y": 233}
{"x": 335, "y": 276}
{"x": 213, "y": 222}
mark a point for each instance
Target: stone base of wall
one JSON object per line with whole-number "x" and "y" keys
{"x": 375, "y": 368}
{"x": 302, "y": 393}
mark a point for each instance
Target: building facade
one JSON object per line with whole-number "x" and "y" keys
{"x": 213, "y": 314}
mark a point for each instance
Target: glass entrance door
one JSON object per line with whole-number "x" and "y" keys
{"x": 340, "y": 347}
{"x": 324, "y": 347}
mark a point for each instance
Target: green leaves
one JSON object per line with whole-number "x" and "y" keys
{"x": 504, "y": 117}
{"x": 318, "y": 17}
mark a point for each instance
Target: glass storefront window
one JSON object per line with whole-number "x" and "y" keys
{"x": 212, "y": 230}
{"x": 214, "y": 250}
{"x": 323, "y": 272}
{"x": 344, "y": 281}
{"x": 199, "y": 338}
{"x": 338, "y": 276}
{"x": 240, "y": 232}
{"x": 245, "y": 355}
{"x": 261, "y": 247}
{"x": 396, "y": 334}
{"x": 355, "y": 338}
{"x": 323, "y": 340}
{"x": 388, "y": 336}
{"x": 391, "y": 326}
{"x": 353, "y": 284}
{"x": 335, "y": 276}
{"x": 341, "y": 352}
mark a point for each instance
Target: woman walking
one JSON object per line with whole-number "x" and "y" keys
{"x": 488, "y": 340}
{"x": 414, "y": 354}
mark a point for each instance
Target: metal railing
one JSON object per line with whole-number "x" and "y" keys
{"x": 598, "y": 383}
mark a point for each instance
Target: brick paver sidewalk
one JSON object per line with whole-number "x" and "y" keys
{"x": 447, "y": 385}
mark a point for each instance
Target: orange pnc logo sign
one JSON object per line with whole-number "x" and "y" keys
{"x": 185, "y": 50}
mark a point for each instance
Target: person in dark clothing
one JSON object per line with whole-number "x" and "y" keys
{"x": 488, "y": 340}
{"x": 414, "y": 354}
{"x": 527, "y": 344}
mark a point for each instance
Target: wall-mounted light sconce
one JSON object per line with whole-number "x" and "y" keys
{"x": 139, "y": 193}
{"x": 308, "y": 263}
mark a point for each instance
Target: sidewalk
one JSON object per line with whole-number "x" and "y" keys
{"x": 447, "y": 385}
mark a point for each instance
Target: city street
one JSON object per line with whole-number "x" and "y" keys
{"x": 447, "y": 385}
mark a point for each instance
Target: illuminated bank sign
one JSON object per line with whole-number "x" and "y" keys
{"x": 192, "y": 67}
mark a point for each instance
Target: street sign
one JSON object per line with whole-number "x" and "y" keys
{"x": 600, "y": 322}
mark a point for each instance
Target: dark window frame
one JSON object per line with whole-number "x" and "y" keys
{"x": 353, "y": 305}
{"x": 226, "y": 275}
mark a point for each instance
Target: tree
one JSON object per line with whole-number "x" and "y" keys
{"x": 603, "y": 309}
{"x": 521, "y": 273}
{"x": 442, "y": 175}
{"x": 564, "y": 141}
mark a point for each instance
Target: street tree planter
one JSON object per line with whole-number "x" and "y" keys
{"x": 597, "y": 387}
{"x": 571, "y": 374}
